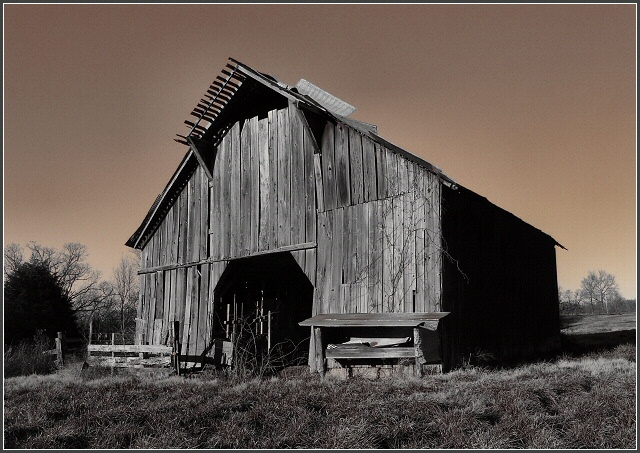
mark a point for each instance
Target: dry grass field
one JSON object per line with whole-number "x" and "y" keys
{"x": 581, "y": 333}
{"x": 583, "y": 401}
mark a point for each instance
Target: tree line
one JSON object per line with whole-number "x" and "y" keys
{"x": 50, "y": 290}
{"x": 599, "y": 293}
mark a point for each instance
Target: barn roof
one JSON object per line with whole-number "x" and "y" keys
{"x": 224, "y": 104}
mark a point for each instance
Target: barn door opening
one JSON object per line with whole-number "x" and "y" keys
{"x": 259, "y": 302}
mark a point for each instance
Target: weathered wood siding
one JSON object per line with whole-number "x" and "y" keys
{"x": 502, "y": 287}
{"x": 379, "y": 246}
{"x": 261, "y": 198}
{"x": 263, "y": 190}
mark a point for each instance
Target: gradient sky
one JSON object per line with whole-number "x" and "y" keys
{"x": 531, "y": 106}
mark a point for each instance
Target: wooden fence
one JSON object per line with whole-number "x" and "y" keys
{"x": 65, "y": 346}
{"x": 135, "y": 355}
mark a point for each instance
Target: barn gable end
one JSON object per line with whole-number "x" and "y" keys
{"x": 276, "y": 184}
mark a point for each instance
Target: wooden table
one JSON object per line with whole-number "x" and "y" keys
{"x": 380, "y": 323}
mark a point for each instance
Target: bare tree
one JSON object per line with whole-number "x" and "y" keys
{"x": 126, "y": 286}
{"x": 569, "y": 301}
{"x": 13, "y": 258}
{"x": 68, "y": 266}
{"x": 599, "y": 289}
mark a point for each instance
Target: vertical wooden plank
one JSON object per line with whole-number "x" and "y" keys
{"x": 159, "y": 298}
{"x": 180, "y": 224}
{"x": 437, "y": 208}
{"x": 144, "y": 257}
{"x": 148, "y": 313}
{"x": 309, "y": 186}
{"x": 358, "y": 236}
{"x": 204, "y": 302}
{"x": 403, "y": 174}
{"x": 152, "y": 307}
{"x": 148, "y": 250}
{"x": 387, "y": 247}
{"x": 356, "y": 166}
{"x": 186, "y": 321}
{"x": 244, "y": 223}
{"x": 343, "y": 177}
{"x": 317, "y": 169}
{"x": 399, "y": 255}
{"x": 284, "y": 179}
{"x": 365, "y": 232}
{"x": 337, "y": 254}
{"x": 419, "y": 244}
{"x": 139, "y": 311}
{"x": 193, "y": 239}
{"x": 157, "y": 246}
{"x": 204, "y": 215}
{"x": 321, "y": 264}
{"x": 255, "y": 185}
{"x": 235, "y": 208}
{"x": 347, "y": 254}
{"x": 211, "y": 303}
{"x": 188, "y": 238}
{"x": 173, "y": 273}
{"x": 176, "y": 229}
{"x": 181, "y": 286}
{"x": 429, "y": 247}
{"x": 161, "y": 233}
{"x": 213, "y": 221}
{"x": 273, "y": 173}
{"x": 369, "y": 169}
{"x": 409, "y": 250}
{"x": 376, "y": 225}
{"x": 328, "y": 164}
{"x": 166, "y": 325}
{"x": 265, "y": 182}
{"x": 323, "y": 282}
{"x": 214, "y": 208}
{"x": 393, "y": 185}
{"x": 168, "y": 246}
{"x": 153, "y": 250}
{"x": 381, "y": 165}
{"x": 140, "y": 315}
{"x": 345, "y": 304}
{"x": 224, "y": 199}
{"x": 195, "y": 310}
{"x": 298, "y": 191}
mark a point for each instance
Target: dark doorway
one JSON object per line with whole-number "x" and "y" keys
{"x": 260, "y": 301}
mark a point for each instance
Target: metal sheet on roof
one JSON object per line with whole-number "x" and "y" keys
{"x": 325, "y": 99}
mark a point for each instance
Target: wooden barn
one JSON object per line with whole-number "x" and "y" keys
{"x": 291, "y": 219}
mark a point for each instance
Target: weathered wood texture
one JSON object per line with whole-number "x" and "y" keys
{"x": 261, "y": 198}
{"x": 379, "y": 244}
{"x": 271, "y": 199}
{"x": 502, "y": 285}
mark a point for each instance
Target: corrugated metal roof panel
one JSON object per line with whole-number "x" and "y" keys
{"x": 325, "y": 99}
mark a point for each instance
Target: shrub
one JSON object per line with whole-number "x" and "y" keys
{"x": 28, "y": 357}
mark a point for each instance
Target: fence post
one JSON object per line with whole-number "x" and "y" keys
{"x": 60, "y": 349}
{"x": 113, "y": 353}
{"x": 268, "y": 331}
{"x": 176, "y": 346}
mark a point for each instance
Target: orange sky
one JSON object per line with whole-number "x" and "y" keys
{"x": 531, "y": 106}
